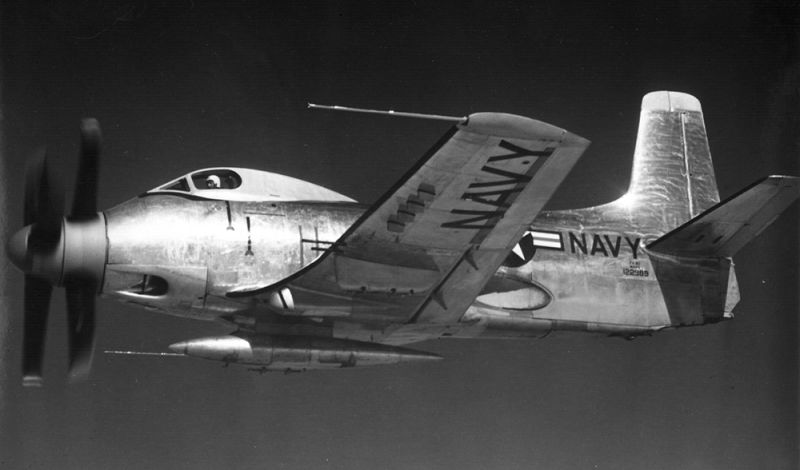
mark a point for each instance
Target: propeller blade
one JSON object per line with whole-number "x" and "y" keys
{"x": 44, "y": 235}
{"x": 33, "y": 250}
{"x": 34, "y": 187}
{"x": 41, "y": 206}
{"x": 85, "y": 202}
{"x": 81, "y": 292}
{"x": 80, "y": 315}
{"x": 37, "y": 304}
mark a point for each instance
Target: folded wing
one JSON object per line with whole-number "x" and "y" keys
{"x": 424, "y": 251}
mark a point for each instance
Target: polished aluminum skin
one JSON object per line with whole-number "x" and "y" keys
{"x": 601, "y": 275}
{"x": 297, "y": 353}
{"x": 80, "y": 250}
{"x": 307, "y": 278}
{"x": 182, "y": 255}
{"x": 576, "y": 270}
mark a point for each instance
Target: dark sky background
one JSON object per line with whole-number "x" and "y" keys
{"x": 184, "y": 85}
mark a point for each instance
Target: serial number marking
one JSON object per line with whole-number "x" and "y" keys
{"x": 635, "y": 272}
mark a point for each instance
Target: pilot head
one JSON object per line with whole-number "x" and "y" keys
{"x": 212, "y": 181}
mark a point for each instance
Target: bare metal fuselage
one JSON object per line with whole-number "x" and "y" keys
{"x": 182, "y": 255}
{"x": 460, "y": 247}
{"x": 586, "y": 269}
{"x": 204, "y": 249}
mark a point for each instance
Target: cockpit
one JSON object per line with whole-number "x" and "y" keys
{"x": 206, "y": 179}
{"x": 243, "y": 184}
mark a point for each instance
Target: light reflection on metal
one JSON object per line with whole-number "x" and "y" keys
{"x": 297, "y": 353}
{"x": 79, "y": 251}
{"x": 601, "y": 244}
{"x": 165, "y": 235}
{"x": 248, "y": 185}
{"x": 629, "y": 201}
{"x": 593, "y": 274}
{"x": 225, "y": 253}
{"x": 142, "y": 353}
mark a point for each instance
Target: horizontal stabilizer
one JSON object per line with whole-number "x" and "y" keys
{"x": 725, "y": 228}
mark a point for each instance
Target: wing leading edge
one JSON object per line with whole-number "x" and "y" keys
{"x": 424, "y": 251}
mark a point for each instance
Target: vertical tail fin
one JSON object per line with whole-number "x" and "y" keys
{"x": 672, "y": 170}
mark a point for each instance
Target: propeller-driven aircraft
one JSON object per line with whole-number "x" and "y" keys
{"x": 460, "y": 247}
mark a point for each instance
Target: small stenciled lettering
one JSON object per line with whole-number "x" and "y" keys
{"x": 635, "y": 269}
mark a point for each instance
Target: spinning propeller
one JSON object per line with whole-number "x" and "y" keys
{"x": 53, "y": 250}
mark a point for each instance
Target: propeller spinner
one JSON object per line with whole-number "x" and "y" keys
{"x": 53, "y": 250}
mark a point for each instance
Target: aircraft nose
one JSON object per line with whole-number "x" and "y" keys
{"x": 74, "y": 248}
{"x": 17, "y": 249}
{"x": 85, "y": 246}
{"x": 43, "y": 260}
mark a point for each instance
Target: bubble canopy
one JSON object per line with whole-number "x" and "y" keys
{"x": 243, "y": 184}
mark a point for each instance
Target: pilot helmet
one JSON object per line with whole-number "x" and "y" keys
{"x": 213, "y": 181}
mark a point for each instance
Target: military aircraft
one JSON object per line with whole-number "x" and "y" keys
{"x": 460, "y": 247}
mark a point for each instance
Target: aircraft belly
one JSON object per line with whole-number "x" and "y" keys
{"x": 597, "y": 289}
{"x": 578, "y": 277}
